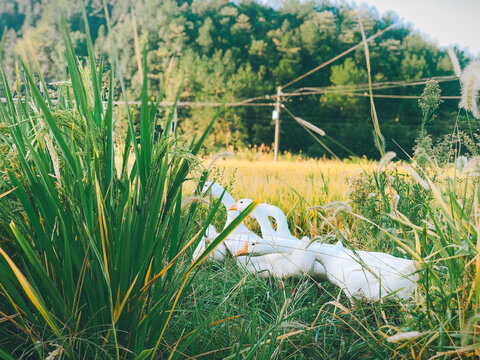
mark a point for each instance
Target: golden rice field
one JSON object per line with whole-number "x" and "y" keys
{"x": 287, "y": 183}
{"x": 293, "y": 185}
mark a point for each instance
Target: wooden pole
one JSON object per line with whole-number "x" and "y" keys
{"x": 276, "y": 117}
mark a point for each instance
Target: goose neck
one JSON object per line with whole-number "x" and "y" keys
{"x": 262, "y": 219}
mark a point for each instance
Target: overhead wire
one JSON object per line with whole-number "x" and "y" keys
{"x": 380, "y": 85}
{"x": 337, "y": 57}
{"x": 387, "y": 96}
{"x": 354, "y": 89}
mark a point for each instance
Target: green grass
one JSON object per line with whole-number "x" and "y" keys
{"x": 298, "y": 319}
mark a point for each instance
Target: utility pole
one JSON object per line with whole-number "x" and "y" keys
{"x": 276, "y": 118}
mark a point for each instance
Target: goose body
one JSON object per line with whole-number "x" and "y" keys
{"x": 220, "y": 251}
{"x": 367, "y": 275}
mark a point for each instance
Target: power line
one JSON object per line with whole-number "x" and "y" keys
{"x": 387, "y": 96}
{"x": 352, "y": 90}
{"x": 178, "y": 104}
{"x": 337, "y": 57}
{"x": 382, "y": 85}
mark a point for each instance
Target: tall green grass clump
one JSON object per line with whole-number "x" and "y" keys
{"x": 91, "y": 255}
{"x": 447, "y": 244}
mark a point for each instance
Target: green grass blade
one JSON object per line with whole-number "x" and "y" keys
{"x": 51, "y": 122}
{"x": 95, "y": 77}
{"x": 109, "y": 149}
{"x": 224, "y": 234}
{"x": 146, "y": 125}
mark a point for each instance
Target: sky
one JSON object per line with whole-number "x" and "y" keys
{"x": 446, "y": 22}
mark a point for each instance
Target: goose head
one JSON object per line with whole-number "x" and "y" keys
{"x": 255, "y": 248}
{"x": 217, "y": 190}
{"x": 242, "y": 204}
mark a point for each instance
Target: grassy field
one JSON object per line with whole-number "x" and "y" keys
{"x": 96, "y": 258}
{"x": 257, "y": 318}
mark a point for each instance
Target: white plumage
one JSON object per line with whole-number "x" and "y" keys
{"x": 360, "y": 274}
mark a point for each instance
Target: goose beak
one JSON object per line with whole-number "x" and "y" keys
{"x": 233, "y": 207}
{"x": 243, "y": 251}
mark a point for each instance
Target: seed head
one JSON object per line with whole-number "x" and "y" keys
{"x": 470, "y": 80}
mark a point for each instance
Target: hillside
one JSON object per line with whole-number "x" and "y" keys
{"x": 231, "y": 51}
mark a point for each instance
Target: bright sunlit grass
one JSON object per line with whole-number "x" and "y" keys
{"x": 314, "y": 182}
{"x": 293, "y": 185}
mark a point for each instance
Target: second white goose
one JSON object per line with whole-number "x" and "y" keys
{"x": 272, "y": 243}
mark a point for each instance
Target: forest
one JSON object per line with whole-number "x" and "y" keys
{"x": 221, "y": 51}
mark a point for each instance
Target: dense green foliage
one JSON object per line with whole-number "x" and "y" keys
{"x": 230, "y": 51}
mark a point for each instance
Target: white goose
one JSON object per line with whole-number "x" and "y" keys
{"x": 297, "y": 263}
{"x": 360, "y": 274}
{"x": 273, "y": 243}
{"x": 235, "y": 241}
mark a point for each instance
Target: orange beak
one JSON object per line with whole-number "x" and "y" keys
{"x": 233, "y": 207}
{"x": 243, "y": 251}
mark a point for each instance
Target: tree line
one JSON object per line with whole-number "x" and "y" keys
{"x": 227, "y": 51}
